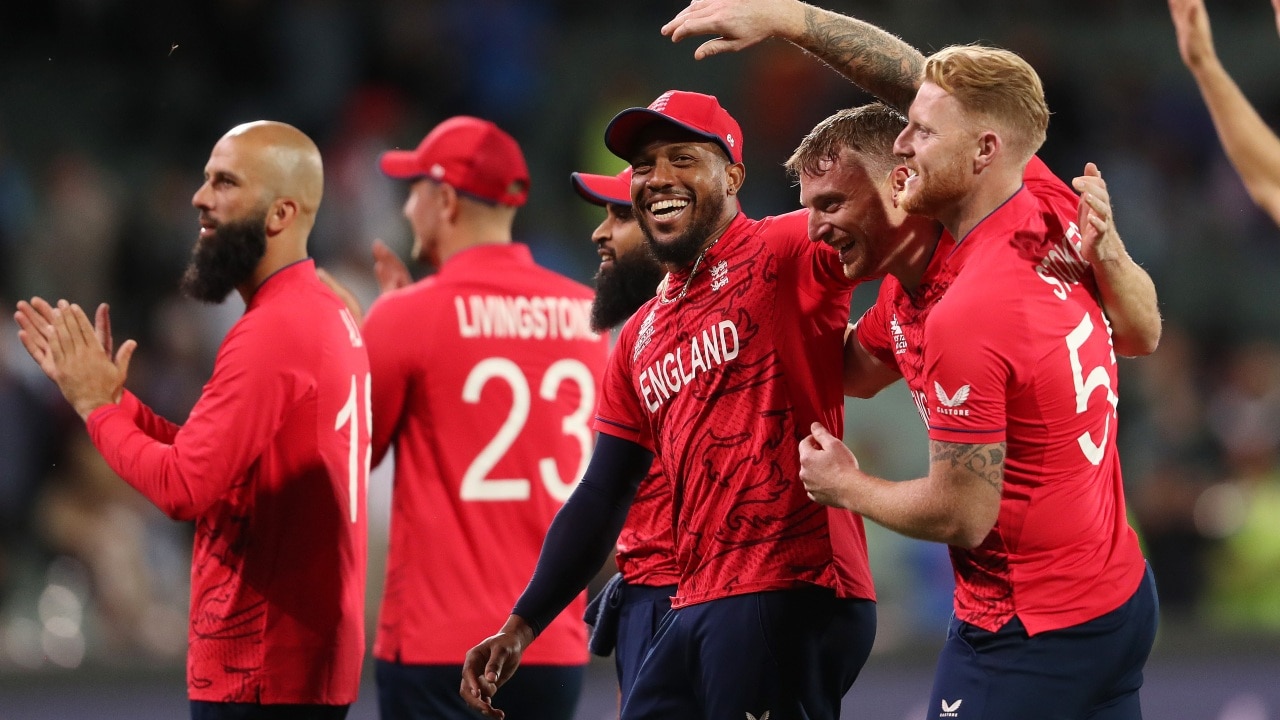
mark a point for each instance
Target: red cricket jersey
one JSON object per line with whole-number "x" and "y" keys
{"x": 1016, "y": 348}
{"x": 272, "y": 464}
{"x": 647, "y": 544}
{"x": 723, "y": 384}
{"x": 484, "y": 378}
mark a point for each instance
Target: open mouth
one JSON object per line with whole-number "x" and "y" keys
{"x": 207, "y": 227}
{"x": 667, "y": 209}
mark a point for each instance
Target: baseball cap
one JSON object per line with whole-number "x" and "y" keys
{"x": 603, "y": 189}
{"x": 697, "y": 113}
{"x": 474, "y": 156}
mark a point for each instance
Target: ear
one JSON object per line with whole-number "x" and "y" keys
{"x": 988, "y": 149}
{"x": 449, "y": 204}
{"x": 898, "y": 181}
{"x": 737, "y": 174}
{"x": 281, "y": 214}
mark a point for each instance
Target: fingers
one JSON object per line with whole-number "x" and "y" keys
{"x": 102, "y": 326}
{"x": 821, "y": 436}
{"x": 123, "y": 356}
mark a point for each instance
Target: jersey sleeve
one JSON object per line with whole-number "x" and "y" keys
{"x": 788, "y": 236}
{"x": 385, "y": 340}
{"x": 619, "y": 413}
{"x": 873, "y": 331}
{"x": 155, "y": 426}
{"x": 242, "y": 407}
{"x": 966, "y": 377}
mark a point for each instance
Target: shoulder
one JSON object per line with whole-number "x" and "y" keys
{"x": 786, "y": 234}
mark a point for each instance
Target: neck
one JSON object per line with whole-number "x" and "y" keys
{"x": 281, "y": 251}
{"x": 986, "y": 196}
{"x": 918, "y": 247}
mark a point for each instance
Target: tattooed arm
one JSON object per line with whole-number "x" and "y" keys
{"x": 957, "y": 503}
{"x": 875, "y": 60}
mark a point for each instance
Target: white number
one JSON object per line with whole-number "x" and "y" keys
{"x": 476, "y": 485}
{"x": 350, "y": 415}
{"x": 1098, "y": 377}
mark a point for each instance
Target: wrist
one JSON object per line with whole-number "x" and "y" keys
{"x": 519, "y": 629}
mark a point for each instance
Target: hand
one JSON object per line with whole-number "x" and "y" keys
{"x": 825, "y": 464}
{"x": 1099, "y": 241}
{"x": 1191, "y": 25}
{"x": 75, "y": 359}
{"x": 390, "y": 270}
{"x": 489, "y": 665}
{"x": 344, "y": 294}
{"x": 738, "y": 24}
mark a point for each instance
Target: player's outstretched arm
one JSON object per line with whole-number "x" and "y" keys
{"x": 875, "y": 60}
{"x": 1128, "y": 293}
{"x": 1252, "y": 147}
{"x": 957, "y": 503}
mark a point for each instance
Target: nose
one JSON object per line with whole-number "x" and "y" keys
{"x": 200, "y": 200}
{"x": 602, "y": 233}
{"x": 661, "y": 176}
{"x": 901, "y": 146}
{"x": 407, "y": 208}
{"x": 819, "y": 228}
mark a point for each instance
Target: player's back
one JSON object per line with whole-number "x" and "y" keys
{"x": 485, "y": 377}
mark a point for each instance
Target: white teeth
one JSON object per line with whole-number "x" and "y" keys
{"x": 662, "y": 206}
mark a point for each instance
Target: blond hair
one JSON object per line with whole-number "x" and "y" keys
{"x": 867, "y": 130}
{"x": 996, "y": 85}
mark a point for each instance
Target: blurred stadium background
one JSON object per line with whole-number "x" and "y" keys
{"x": 108, "y": 109}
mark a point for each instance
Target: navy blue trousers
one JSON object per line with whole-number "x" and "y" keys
{"x": 1090, "y": 671}
{"x": 790, "y": 654}
{"x": 202, "y": 710}
{"x": 640, "y": 612}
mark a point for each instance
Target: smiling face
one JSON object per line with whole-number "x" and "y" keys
{"x": 938, "y": 146}
{"x": 853, "y": 212}
{"x": 682, "y": 188}
{"x": 628, "y": 274}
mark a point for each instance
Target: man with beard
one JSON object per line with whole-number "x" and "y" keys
{"x": 271, "y": 463}
{"x": 484, "y": 378}
{"x": 624, "y": 616}
{"x": 1053, "y": 598}
{"x": 719, "y": 376}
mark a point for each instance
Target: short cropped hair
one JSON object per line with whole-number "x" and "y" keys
{"x": 868, "y": 130}
{"x": 996, "y": 85}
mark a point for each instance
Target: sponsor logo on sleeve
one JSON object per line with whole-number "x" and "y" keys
{"x": 951, "y": 403}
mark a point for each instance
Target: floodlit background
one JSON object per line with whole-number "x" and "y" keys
{"x": 108, "y": 109}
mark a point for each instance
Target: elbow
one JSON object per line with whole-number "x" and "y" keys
{"x": 969, "y": 535}
{"x": 1141, "y": 343}
{"x": 859, "y": 390}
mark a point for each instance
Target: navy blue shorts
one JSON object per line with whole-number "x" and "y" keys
{"x": 203, "y": 710}
{"x": 430, "y": 692}
{"x": 1092, "y": 670}
{"x": 640, "y": 612}
{"x": 785, "y": 653}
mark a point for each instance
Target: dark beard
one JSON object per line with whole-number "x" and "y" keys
{"x": 622, "y": 289}
{"x": 225, "y": 260}
{"x": 685, "y": 248}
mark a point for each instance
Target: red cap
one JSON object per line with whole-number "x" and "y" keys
{"x": 474, "y": 156}
{"x": 603, "y": 189}
{"x": 699, "y": 114}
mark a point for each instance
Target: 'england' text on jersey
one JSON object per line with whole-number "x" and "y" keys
{"x": 526, "y": 318}
{"x": 711, "y": 348}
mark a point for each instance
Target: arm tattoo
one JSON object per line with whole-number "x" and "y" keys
{"x": 873, "y": 59}
{"x": 982, "y": 461}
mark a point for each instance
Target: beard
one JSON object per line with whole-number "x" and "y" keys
{"x": 684, "y": 249}
{"x": 938, "y": 193}
{"x": 623, "y": 288}
{"x": 226, "y": 259}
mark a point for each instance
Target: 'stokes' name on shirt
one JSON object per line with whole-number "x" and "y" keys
{"x": 524, "y": 318}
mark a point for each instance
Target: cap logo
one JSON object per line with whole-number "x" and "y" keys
{"x": 728, "y": 137}
{"x": 437, "y": 171}
{"x": 661, "y": 103}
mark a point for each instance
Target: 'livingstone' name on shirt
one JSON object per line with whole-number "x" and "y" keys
{"x": 711, "y": 348}
{"x": 525, "y": 318}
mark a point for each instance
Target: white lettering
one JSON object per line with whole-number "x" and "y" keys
{"x": 667, "y": 376}
{"x": 524, "y": 318}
